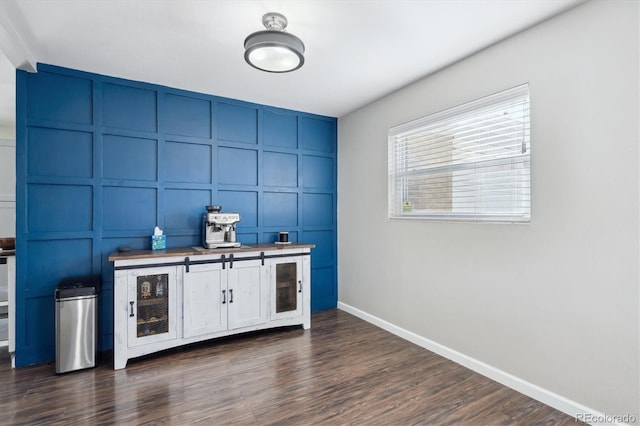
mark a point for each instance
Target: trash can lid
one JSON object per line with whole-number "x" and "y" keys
{"x": 69, "y": 293}
{"x": 85, "y": 285}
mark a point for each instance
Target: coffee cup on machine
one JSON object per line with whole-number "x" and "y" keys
{"x": 283, "y": 237}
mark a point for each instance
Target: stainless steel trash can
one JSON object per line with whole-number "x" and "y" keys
{"x": 76, "y": 323}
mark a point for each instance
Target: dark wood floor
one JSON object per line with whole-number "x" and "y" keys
{"x": 341, "y": 371}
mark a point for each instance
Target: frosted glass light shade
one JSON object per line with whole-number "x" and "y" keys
{"x": 274, "y": 59}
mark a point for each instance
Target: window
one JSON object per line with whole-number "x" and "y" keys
{"x": 470, "y": 162}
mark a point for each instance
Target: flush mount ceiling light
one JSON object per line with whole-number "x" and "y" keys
{"x": 274, "y": 50}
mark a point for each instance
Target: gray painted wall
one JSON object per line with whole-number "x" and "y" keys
{"x": 554, "y": 302}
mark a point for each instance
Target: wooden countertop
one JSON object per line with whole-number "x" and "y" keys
{"x": 8, "y": 246}
{"x": 196, "y": 251}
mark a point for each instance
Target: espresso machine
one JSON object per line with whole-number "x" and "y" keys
{"x": 219, "y": 229}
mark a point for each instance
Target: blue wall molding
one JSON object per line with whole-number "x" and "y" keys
{"x": 102, "y": 160}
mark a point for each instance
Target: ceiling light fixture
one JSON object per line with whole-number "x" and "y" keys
{"x": 274, "y": 50}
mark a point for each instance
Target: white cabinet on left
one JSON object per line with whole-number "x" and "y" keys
{"x": 152, "y": 305}
{"x": 146, "y": 313}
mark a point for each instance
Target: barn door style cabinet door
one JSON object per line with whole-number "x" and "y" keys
{"x": 181, "y": 296}
{"x": 219, "y": 298}
{"x": 205, "y": 296}
{"x": 247, "y": 295}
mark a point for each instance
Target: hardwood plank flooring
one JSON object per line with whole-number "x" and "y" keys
{"x": 343, "y": 371}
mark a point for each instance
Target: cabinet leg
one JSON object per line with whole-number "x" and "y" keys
{"x": 119, "y": 361}
{"x": 306, "y": 322}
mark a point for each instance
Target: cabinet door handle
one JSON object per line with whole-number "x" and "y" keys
{"x": 224, "y": 296}
{"x": 230, "y": 295}
{"x": 131, "y": 314}
{"x": 299, "y": 286}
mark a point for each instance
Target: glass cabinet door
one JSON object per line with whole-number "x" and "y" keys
{"x": 151, "y": 305}
{"x": 287, "y": 289}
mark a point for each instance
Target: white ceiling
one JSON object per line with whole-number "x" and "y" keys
{"x": 356, "y": 50}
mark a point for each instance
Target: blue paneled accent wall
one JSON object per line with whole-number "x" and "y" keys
{"x": 101, "y": 161}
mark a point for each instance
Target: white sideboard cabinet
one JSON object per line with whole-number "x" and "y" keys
{"x": 169, "y": 298}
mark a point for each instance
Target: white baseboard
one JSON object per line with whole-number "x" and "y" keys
{"x": 545, "y": 396}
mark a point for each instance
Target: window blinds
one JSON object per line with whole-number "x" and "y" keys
{"x": 470, "y": 162}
